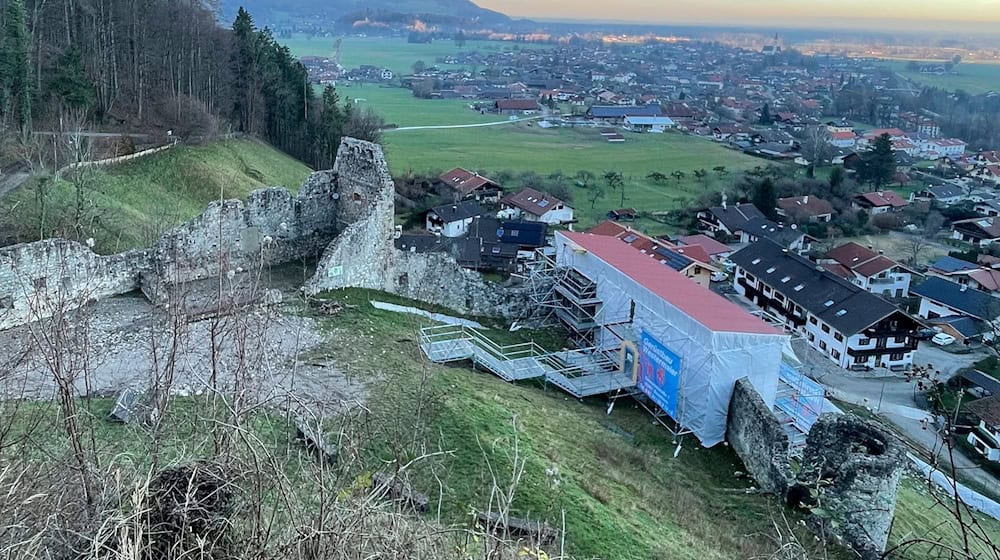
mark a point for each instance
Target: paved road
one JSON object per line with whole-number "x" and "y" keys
{"x": 477, "y": 125}
{"x": 93, "y": 134}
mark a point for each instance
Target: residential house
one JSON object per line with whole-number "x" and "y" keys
{"x": 986, "y": 435}
{"x": 728, "y": 220}
{"x": 869, "y": 270}
{"x": 844, "y": 140}
{"x": 717, "y": 251}
{"x": 452, "y": 220}
{"x": 844, "y": 322}
{"x": 805, "y": 209}
{"x": 691, "y": 261}
{"x": 467, "y": 184}
{"x": 950, "y": 268}
{"x": 790, "y": 237}
{"x": 878, "y": 202}
{"x": 989, "y": 207}
{"x": 946, "y": 194}
{"x": 980, "y": 232}
{"x": 941, "y": 298}
{"x": 535, "y": 206}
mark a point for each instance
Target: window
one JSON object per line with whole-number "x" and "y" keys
{"x": 812, "y": 321}
{"x": 895, "y": 357}
{"x": 770, "y": 270}
{"x": 755, "y": 261}
{"x": 826, "y": 328}
{"x": 864, "y": 341}
{"x": 822, "y": 345}
{"x": 860, "y": 359}
{"x": 838, "y": 337}
{"x": 899, "y": 339}
{"x": 836, "y": 355}
{"x": 786, "y": 279}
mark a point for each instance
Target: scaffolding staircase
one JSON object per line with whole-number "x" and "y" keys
{"x": 581, "y": 373}
{"x": 798, "y": 404}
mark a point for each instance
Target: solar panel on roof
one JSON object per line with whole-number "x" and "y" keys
{"x": 543, "y": 203}
{"x": 630, "y": 238}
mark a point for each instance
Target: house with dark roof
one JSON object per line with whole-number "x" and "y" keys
{"x": 878, "y": 202}
{"x": 805, "y": 209}
{"x": 847, "y": 324}
{"x": 942, "y": 194}
{"x": 871, "y": 271}
{"x": 986, "y": 436}
{"x": 615, "y": 114}
{"x": 727, "y": 220}
{"x": 789, "y": 237}
{"x": 941, "y": 298}
{"x": 952, "y": 269}
{"x": 452, "y": 220}
{"x": 980, "y": 232}
{"x": 535, "y": 206}
{"x": 691, "y": 261}
{"x": 467, "y": 184}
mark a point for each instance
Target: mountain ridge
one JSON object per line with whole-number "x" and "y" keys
{"x": 274, "y": 11}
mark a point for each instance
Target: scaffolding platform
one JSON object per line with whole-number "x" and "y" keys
{"x": 798, "y": 405}
{"x": 581, "y": 373}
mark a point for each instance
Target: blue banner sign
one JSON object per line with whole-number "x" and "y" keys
{"x": 659, "y": 373}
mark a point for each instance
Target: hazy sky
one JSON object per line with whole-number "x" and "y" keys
{"x": 832, "y": 13}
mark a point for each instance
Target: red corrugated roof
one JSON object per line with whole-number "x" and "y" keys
{"x": 705, "y": 306}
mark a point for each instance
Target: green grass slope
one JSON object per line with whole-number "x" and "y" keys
{"x": 128, "y": 206}
{"x": 972, "y": 77}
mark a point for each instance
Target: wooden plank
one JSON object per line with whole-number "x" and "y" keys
{"x": 538, "y": 532}
{"x": 400, "y": 491}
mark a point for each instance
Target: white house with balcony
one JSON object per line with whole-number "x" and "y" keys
{"x": 847, "y": 324}
{"x": 985, "y": 437}
{"x": 453, "y": 220}
{"x": 874, "y": 272}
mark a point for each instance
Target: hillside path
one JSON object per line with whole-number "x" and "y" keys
{"x": 477, "y": 125}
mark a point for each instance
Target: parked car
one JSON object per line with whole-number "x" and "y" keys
{"x": 942, "y": 339}
{"x": 926, "y": 334}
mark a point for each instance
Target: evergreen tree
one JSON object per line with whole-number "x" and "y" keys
{"x": 15, "y": 68}
{"x": 244, "y": 65}
{"x": 765, "y": 116}
{"x": 765, "y": 198}
{"x": 69, "y": 82}
{"x": 878, "y": 164}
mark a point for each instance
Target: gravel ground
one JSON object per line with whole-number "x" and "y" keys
{"x": 125, "y": 342}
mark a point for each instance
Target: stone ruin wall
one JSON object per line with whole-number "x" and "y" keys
{"x": 364, "y": 256}
{"x": 859, "y": 463}
{"x": 272, "y": 227}
{"x": 756, "y": 435}
{"x": 345, "y": 214}
{"x": 40, "y": 279}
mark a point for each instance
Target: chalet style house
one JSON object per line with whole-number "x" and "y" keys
{"x": 851, "y": 326}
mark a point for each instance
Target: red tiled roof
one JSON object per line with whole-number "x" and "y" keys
{"x": 517, "y": 105}
{"x": 875, "y": 266}
{"x": 839, "y": 270}
{"x": 987, "y": 409}
{"x": 843, "y": 135}
{"x": 696, "y": 252}
{"x": 705, "y": 306}
{"x": 805, "y": 206}
{"x": 532, "y": 201}
{"x": 711, "y": 246}
{"x": 465, "y": 181}
{"x": 987, "y": 278}
{"x": 884, "y": 198}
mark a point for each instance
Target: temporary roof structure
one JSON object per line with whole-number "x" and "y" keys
{"x": 706, "y": 342}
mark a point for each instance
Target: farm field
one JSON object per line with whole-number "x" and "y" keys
{"x": 526, "y": 147}
{"x": 398, "y": 106}
{"x": 393, "y": 53}
{"x": 974, "y": 78}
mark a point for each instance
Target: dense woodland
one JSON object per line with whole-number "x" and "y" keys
{"x": 157, "y": 65}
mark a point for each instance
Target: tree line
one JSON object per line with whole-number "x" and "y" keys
{"x": 161, "y": 65}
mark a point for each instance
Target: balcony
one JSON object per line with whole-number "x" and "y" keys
{"x": 868, "y": 352}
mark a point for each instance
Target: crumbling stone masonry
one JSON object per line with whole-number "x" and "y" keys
{"x": 272, "y": 227}
{"x": 41, "y": 279}
{"x": 850, "y": 469}
{"x": 757, "y": 436}
{"x": 345, "y": 215}
{"x": 363, "y": 255}
{"x": 860, "y": 465}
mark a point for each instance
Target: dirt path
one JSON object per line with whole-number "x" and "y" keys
{"x": 478, "y": 125}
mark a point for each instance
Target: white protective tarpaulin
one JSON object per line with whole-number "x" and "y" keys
{"x": 711, "y": 361}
